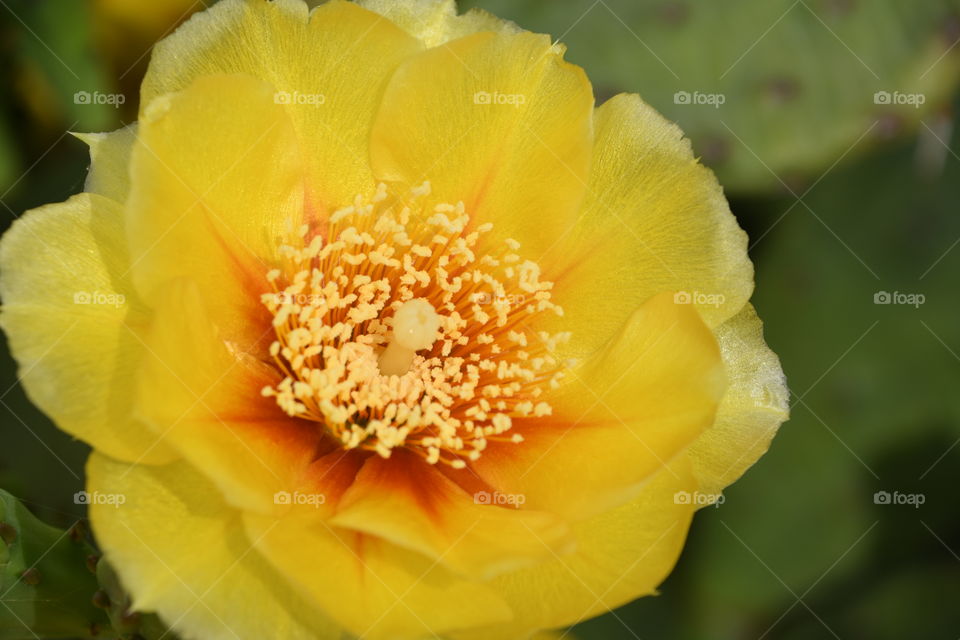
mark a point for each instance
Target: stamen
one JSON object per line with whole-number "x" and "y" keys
{"x": 401, "y": 326}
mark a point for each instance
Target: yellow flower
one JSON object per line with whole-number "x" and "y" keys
{"x": 379, "y": 326}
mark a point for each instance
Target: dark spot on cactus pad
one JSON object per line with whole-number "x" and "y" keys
{"x": 714, "y": 150}
{"x": 101, "y": 600}
{"x": 78, "y": 532}
{"x": 781, "y": 89}
{"x": 7, "y": 533}
{"x": 951, "y": 30}
{"x": 889, "y": 125}
{"x": 839, "y": 8}
{"x": 130, "y": 619}
{"x": 31, "y": 576}
{"x": 674, "y": 14}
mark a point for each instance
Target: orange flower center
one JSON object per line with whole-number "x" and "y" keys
{"x": 393, "y": 331}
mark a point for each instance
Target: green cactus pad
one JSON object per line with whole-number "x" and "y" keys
{"x": 116, "y": 602}
{"x": 53, "y": 584}
{"x": 767, "y": 91}
{"x": 45, "y": 585}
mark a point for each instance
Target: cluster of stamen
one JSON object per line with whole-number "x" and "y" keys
{"x": 398, "y": 326}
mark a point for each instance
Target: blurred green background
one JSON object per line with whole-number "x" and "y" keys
{"x": 831, "y": 125}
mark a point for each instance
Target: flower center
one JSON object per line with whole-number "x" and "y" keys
{"x": 397, "y": 326}
{"x": 415, "y": 327}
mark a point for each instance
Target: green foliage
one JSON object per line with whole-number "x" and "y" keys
{"x": 9, "y": 158}
{"x": 57, "y": 55}
{"x": 127, "y": 623}
{"x": 874, "y": 403}
{"x": 45, "y": 582}
{"x": 797, "y": 78}
{"x": 874, "y": 409}
{"x": 53, "y": 584}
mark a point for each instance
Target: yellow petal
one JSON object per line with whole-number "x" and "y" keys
{"x": 435, "y": 22}
{"x": 654, "y": 220}
{"x": 109, "y": 173}
{"x": 754, "y": 406}
{"x": 621, "y": 555}
{"x": 203, "y": 397}
{"x": 373, "y": 588}
{"x": 323, "y": 484}
{"x": 620, "y": 418}
{"x": 498, "y": 121}
{"x": 408, "y": 502}
{"x": 184, "y": 554}
{"x": 216, "y": 178}
{"x": 71, "y": 316}
{"x": 330, "y": 68}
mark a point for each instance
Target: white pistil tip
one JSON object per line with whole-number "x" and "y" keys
{"x": 415, "y": 326}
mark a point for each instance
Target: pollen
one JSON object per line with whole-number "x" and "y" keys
{"x": 400, "y": 324}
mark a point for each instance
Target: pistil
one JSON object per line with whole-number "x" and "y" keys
{"x": 415, "y": 326}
